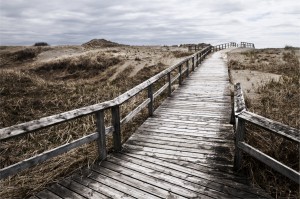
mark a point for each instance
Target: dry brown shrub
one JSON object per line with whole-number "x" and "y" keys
{"x": 279, "y": 100}
{"x": 26, "y": 96}
{"x": 179, "y": 54}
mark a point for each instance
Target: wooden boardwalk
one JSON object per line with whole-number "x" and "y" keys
{"x": 184, "y": 151}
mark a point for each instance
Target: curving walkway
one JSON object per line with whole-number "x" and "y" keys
{"x": 184, "y": 151}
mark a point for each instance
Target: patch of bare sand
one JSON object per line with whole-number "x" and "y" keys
{"x": 251, "y": 80}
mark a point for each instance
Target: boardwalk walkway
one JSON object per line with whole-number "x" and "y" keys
{"x": 184, "y": 151}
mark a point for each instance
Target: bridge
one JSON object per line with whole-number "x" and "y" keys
{"x": 187, "y": 148}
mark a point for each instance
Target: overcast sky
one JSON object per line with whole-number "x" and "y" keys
{"x": 267, "y": 23}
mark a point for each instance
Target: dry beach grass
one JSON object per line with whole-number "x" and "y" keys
{"x": 278, "y": 100}
{"x": 42, "y": 87}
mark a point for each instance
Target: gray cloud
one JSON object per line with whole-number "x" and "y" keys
{"x": 268, "y": 23}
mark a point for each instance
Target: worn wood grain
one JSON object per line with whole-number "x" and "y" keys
{"x": 278, "y": 128}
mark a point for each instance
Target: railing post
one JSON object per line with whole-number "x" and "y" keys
{"x": 115, "y": 111}
{"x": 101, "y": 141}
{"x": 193, "y": 63}
{"x": 239, "y": 137}
{"x": 187, "y": 68}
{"x": 150, "y": 96}
{"x": 180, "y": 75}
{"x": 170, "y": 86}
{"x": 197, "y": 57}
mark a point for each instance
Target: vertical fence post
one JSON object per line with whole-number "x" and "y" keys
{"x": 193, "y": 63}
{"x": 197, "y": 57}
{"x": 150, "y": 95}
{"x": 101, "y": 141}
{"x": 239, "y": 137}
{"x": 169, "y": 86}
{"x": 180, "y": 75}
{"x": 187, "y": 68}
{"x": 115, "y": 111}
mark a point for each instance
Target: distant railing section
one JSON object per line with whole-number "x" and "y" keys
{"x": 183, "y": 68}
{"x": 224, "y": 46}
{"x": 247, "y": 45}
{"x": 196, "y": 47}
{"x": 240, "y": 116}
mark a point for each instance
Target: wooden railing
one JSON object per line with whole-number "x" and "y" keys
{"x": 240, "y": 116}
{"x": 247, "y": 45}
{"x": 223, "y": 46}
{"x": 184, "y": 67}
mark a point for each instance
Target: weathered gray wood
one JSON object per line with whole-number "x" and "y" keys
{"x": 115, "y": 111}
{"x": 23, "y": 128}
{"x": 278, "y": 128}
{"x": 150, "y": 96}
{"x": 169, "y": 85}
{"x": 239, "y": 137}
{"x": 133, "y": 113}
{"x": 15, "y": 168}
{"x": 137, "y": 186}
{"x": 45, "y": 194}
{"x": 216, "y": 187}
{"x": 177, "y": 178}
{"x": 102, "y": 188}
{"x": 101, "y": 141}
{"x": 271, "y": 162}
{"x": 64, "y": 192}
{"x": 239, "y": 99}
{"x": 180, "y": 74}
{"x": 187, "y": 68}
{"x": 149, "y": 179}
{"x": 193, "y": 63}
{"x": 81, "y": 189}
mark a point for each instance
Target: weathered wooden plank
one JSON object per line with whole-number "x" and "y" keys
{"x": 201, "y": 148}
{"x": 133, "y": 113}
{"x": 82, "y": 190}
{"x": 149, "y": 179}
{"x": 271, "y": 162}
{"x": 209, "y": 185}
{"x": 102, "y": 188}
{"x": 180, "y": 139}
{"x": 207, "y": 151}
{"x": 168, "y": 175}
{"x": 45, "y": 194}
{"x": 64, "y": 192}
{"x": 180, "y": 153}
{"x": 137, "y": 186}
{"x": 15, "y": 168}
{"x": 271, "y": 125}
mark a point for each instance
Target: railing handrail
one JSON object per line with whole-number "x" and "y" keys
{"x": 241, "y": 116}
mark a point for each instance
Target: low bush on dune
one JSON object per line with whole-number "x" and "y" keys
{"x": 83, "y": 66}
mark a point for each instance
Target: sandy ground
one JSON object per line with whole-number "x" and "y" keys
{"x": 250, "y": 80}
{"x": 136, "y": 56}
